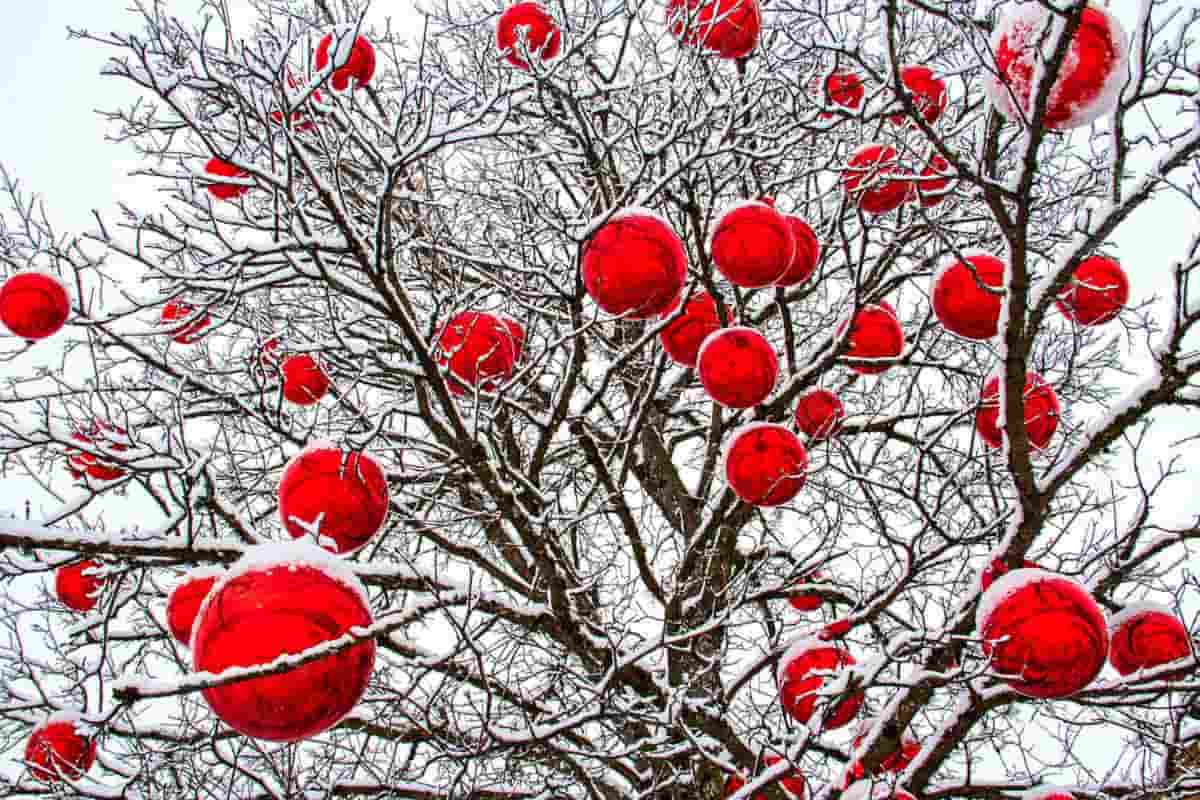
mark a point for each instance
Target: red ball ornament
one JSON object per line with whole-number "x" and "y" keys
{"x": 792, "y": 782}
{"x": 78, "y": 586}
{"x": 1089, "y": 82}
{"x": 1043, "y": 632}
{"x": 729, "y": 28}
{"x": 223, "y": 169}
{"x": 997, "y": 569}
{"x": 1041, "y": 411}
{"x": 820, "y": 414}
{"x": 807, "y": 255}
{"x": 737, "y": 367}
{"x": 359, "y": 66}
{"x": 339, "y": 498}
{"x": 282, "y": 600}
{"x": 1146, "y": 636}
{"x": 865, "y": 179}
{"x": 478, "y": 350}
{"x": 304, "y": 382}
{"x": 1097, "y": 291}
{"x": 542, "y": 35}
{"x": 59, "y": 749}
{"x": 634, "y": 265}
{"x": 808, "y": 601}
{"x": 844, "y": 89}
{"x": 933, "y": 184}
{"x": 874, "y": 333}
{"x": 683, "y": 336}
{"x": 102, "y": 436}
{"x": 897, "y": 761}
{"x": 752, "y": 245}
{"x": 928, "y": 93}
{"x": 765, "y": 464}
{"x": 34, "y": 305}
{"x": 191, "y": 332}
{"x": 963, "y": 299}
{"x": 184, "y": 603}
{"x": 800, "y": 680}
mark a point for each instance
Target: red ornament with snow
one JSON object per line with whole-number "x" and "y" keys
{"x": 1044, "y": 633}
{"x": 897, "y": 761}
{"x": 337, "y": 497}
{"x": 765, "y": 464}
{"x": 634, "y": 265}
{"x": 967, "y": 295}
{"x": 1041, "y": 412}
{"x": 752, "y": 245}
{"x": 1097, "y": 291}
{"x": 77, "y": 585}
{"x": 928, "y": 93}
{"x": 176, "y": 311}
{"x": 1089, "y": 82}
{"x": 59, "y": 749}
{"x": 304, "y": 382}
{"x": 184, "y": 603}
{"x": 808, "y": 601}
{"x": 1146, "y": 636}
{"x": 932, "y": 186}
{"x": 269, "y": 354}
{"x": 792, "y": 782}
{"x": 277, "y": 601}
{"x": 803, "y": 670}
{"x": 730, "y": 28}
{"x": 819, "y": 414}
{"x": 223, "y": 169}
{"x": 34, "y": 305}
{"x": 360, "y": 62}
{"x": 997, "y": 569}
{"x": 865, "y": 179}
{"x": 100, "y": 436}
{"x": 737, "y": 367}
{"x": 807, "y": 254}
{"x": 542, "y": 35}
{"x": 874, "y": 333}
{"x": 683, "y": 336}
{"x": 478, "y": 350}
{"x": 844, "y": 89}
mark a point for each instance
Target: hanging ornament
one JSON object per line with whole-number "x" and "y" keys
{"x": 765, "y": 464}
{"x": 101, "y": 436}
{"x": 967, "y": 295}
{"x": 542, "y": 36}
{"x": 634, "y": 265}
{"x": 683, "y": 336}
{"x": 223, "y": 169}
{"x": 730, "y": 28}
{"x": 928, "y": 94}
{"x": 304, "y": 382}
{"x": 358, "y": 65}
{"x": 802, "y": 673}
{"x": 737, "y": 367}
{"x": 184, "y": 603}
{"x": 34, "y": 305}
{"x": 866, "y": 180}
{"x": 1145, "y": 636}
{"x": 478, "y": 350}
{"x": 932, "y": 186}
{"x": 1097, "y": 292}
{"x": 875, "y": 333}
{"x": 807, "y": 256}
{"x": 337, "y": 497}
{"x": 819, "y": 414}
{"x": 190, "y": 333}
{"x": 844, "y": 89}
{"x": 78, "y": 585}
{"x": 59, "y": 749}
{"x": 1041, "y": 412}
{"x": 809, "y": 601}
{"x": 752, "y": 245}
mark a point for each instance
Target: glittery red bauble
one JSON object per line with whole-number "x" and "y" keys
{"x": 865, "y": 179}
{"x": 765, "y": 464}
{"x": 360, "y": 67}
{"x": 933, "y": 184}
{"x": 737, "y": 367}
{"x": 273, "y": 610}
{"x": 542, "y": 35}
{"x": 102, "y": 436}
{"x": 819, "y": 414}
{"x": 189, "y": 333}
{"x": 964, "y": 306}
{"x": 799, "y": 686}
{"x": 338, "y": 497}
{"x": 730, "y": 28}
{"x": 874, "y": 333}
{"x": 634, "y": 265}
{"x": 34, "y": 305}
{"x": 752, "y": 245}
{"x": 997, "y": 569}
{"x": 478, "y": 349}
{"x": 807, "y": 256}
{"x": 304, "y": 382}
{"x": 1096, "y": 292}
{"x": 1043, "y": 632}
{"x": 928, "y": 93}
{"x": 792, "y": 782}
{"x": 844, "y": 89}
{"x": 682, "y": 337}
{"x": 1041, "y": 411}
{"x": 57, "y": 750}
{"x": 1145, "y": 637}
{"x": 223, "y": 169}
{"x": 184, "y": 604}
{"x": 76, "y": 587}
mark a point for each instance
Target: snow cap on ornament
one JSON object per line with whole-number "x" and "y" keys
{"x": 355, "y": 54}
{"x": 730, "y": 28}
{"x": 967, "y": 295}
{"x": 34, "y": 304}
{"x": 337, "y": 498}
{"x": 634, "y": 265}
{"x": 765, "y": 464}
{"x": 737, "y": 367}
{"x": 60, "y": 748}
{"x": 997, "y": 568}
{"x": 1145, "y": 636}
{"x": 752, "y": 244}
{"x": 539, "y": 30}
{"x": 683, "y": 335}
{"x": 803, "y": 671}
{"x": 184, "y": 603}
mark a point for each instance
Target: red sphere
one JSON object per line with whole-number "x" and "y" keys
{"x": 865, "y": 179}
{"x": 278, "y": 603}
{"x": 1096, "y": 292}
{"x": 897, "y": 761}
{"x": 846, "y": 90}
{"x": 542, "y": 35}
{"x": 304, "y": 382}
{"x": 807, "y": 256}
{"x": 184, "y": 603}
{"x": 1043, "y": 632}
{"x": 730, "y": 28}
{"x": 683, "y": 336}
{"x": 737, "y": 367}
{"x": 34, "y": 305}
{"x": 189, "y": 333}
{"x": 799, "y": 687}
{"x": 337, "y": 497}
{"x": 223, "y": 169}
{"x": 1088, "y": 84}
{"x": 102, "y": 436}
{"x": 928, "y": 93}
{"x": 1147, "y": 636}
{"x": 76, "y": 585}
{"x": 819, "y": 414}
{"x": 808, "y": 601}
{"x": 58, "y": 749}
{"x": 1041, "y": 411}
{"x": 359, "y": 67}
{"x": 765, "y": 464}
{"x": 478, "y": 350}
{"x": 792, "y": 782}
{"x": 933, "y": 184}
{"x": 874, "y": 333}
{"x": 962, "y": 296}
{"x": 997, "y": 569}
{"x": 634, "y": 265}
{"x": 752, "y": 245}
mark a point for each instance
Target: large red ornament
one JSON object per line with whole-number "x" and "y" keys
{"x": 1090, "y": 79}
{"x": 865, "y": 179}
{"x": 59, "y": 749}
{"x": 765, "y": 464}
{"x": 634, "y": 264}
{"x": 102, "y": 436}
{"x": 1146, "y": 636}
{"x": 223, "y": 169}
{"x": 932, "y": 186}
{"x": 897, "y": 761}
{"x": 359, "y": 66}
{"x": 478, "y": 350}
{"x": 1097, "y": 291}
{"x": 683, "y": 336}
{"x": 542, "y": 35}
{"x": 874, "y": 333}
{"x": 190, "y": 333}
{"x": 337, "y": 497}
{"x": 846, "y": 90}
{"x": 819, "y": 414}
{"x": 184, "y": 603}
{"x": 304, "y": 382}
{"x": 34, "y": 305}
{"x": 1043, "y": 632}
{"x": 737, "y": 367}
{"x": 730, "y": 28}
{"x": 807, "y": 256}
{"x": 963, "y": 296}
{"x": 752, "y": 245}
{"x": 997, "y": 569}
{"x": 808, "y": 601}
{"x": 799, "y": 687}
{"x": 1041, "y": 411}
{"x": 928, "y": 93}
{"x": 77, "y": 586}
{"x": 277, "y": 601}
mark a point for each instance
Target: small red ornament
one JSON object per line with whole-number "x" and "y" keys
{"x": 928, "y": 93}
{"x": 102, "y": 436}
{"x": 1146, "y": 636}
{"x": 542, "y": 35}
{"x": 734, "y": 784}
{"x": 844, "y": 89}
{"x": 875, "y": 333}
{"x": 59, "y": 749}
{"x": 634, "y": 265}
{"x": 478, "y": 350}
{"x": 1096, "y": 292}
{"x": 897, "y": 761}
{"x": 77, "y": 586}
{"x": 963, "y": 299}
{"x": 304, "y": 382}
{"x": 807, "y": 256}
{"x": 730, "y": 28}
{"x": 799, "y": 686}
{"x": 683, "y": 336}
{"x": 1043, "y": 632}
{"x": 865, "y": 179}
{"x": 340, "y": 498}
{"x": 997, "y": 569}
{"x": 808, "y": 601}
{"x": 752, "y": 245}
{"x": 820, "y": 414}
{"x": 933, "y": 184}
{"x": 359, "y": 67}
{"x": 301, "y": 119}
{"x": 184, "y": 603}
{"x": 1041, "y": 411}
{"x": 737, "y": 367}
{"x": 191, "y": 332}
{"x": 277, "y": 601}
{"x": 765, "y": 464}
{"x": 34, "y": 305}
{"x": 223, "y": 169}
{"x": 792, "y": 782}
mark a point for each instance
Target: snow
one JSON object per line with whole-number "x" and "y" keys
{"x": 797, "y": 648}
{"x": 749, "y": 427}
{"x": 1134, "y": 610}
{"x": 72, "y": 718}
{"x": 200, "y": 573}
{"x": 951, "y": 260}
{"x": 1007, "y": 585}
